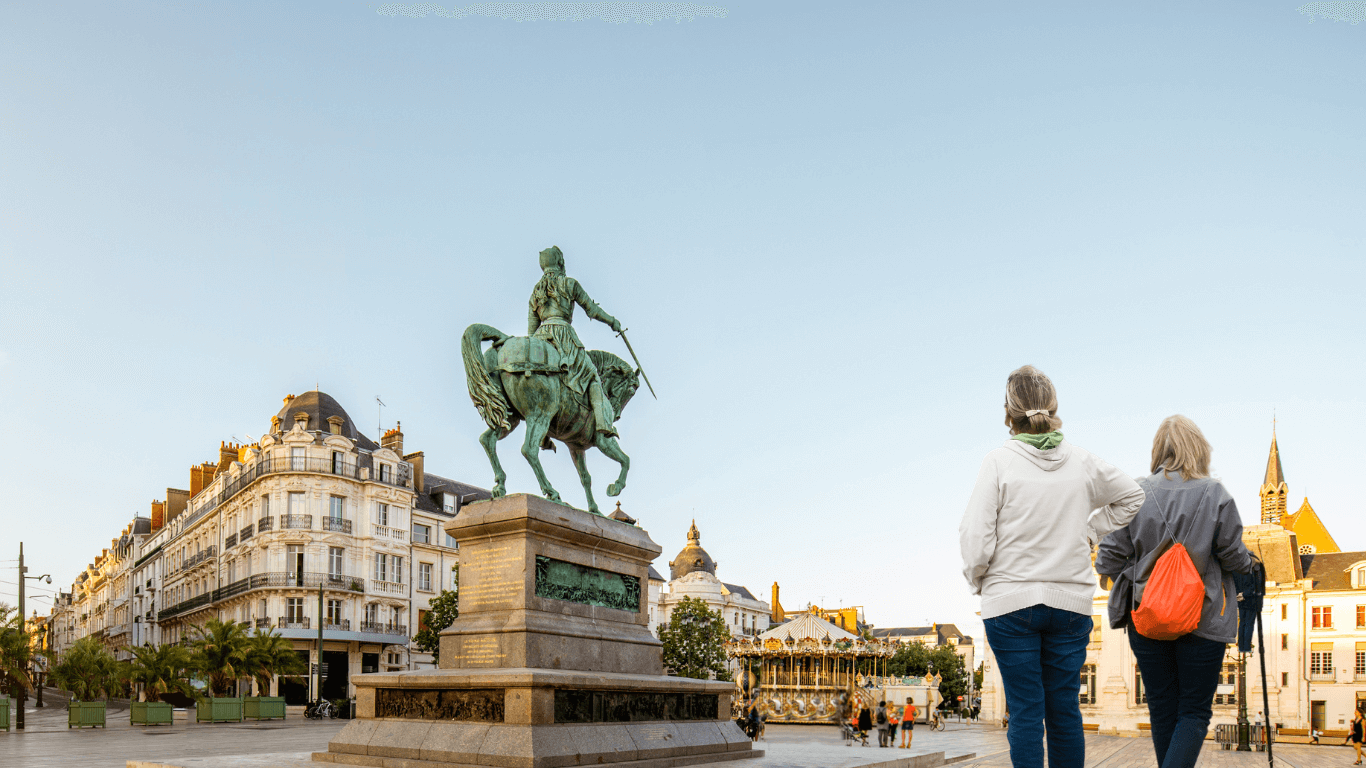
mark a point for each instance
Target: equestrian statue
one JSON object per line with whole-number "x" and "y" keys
{"x": 548, "y": 380}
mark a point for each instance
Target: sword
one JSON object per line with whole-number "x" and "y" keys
{"x": 638, "y": 366}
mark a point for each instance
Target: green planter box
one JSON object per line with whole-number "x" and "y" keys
{"x": 4, "y": 713}
{"x": 263, "y": 707}
{"x": 218, "y": 711}
{"x": 85, "y": 714}
{"x": 149, "y": 713}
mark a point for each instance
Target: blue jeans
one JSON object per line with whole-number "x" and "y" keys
{"x": 1040, "y": 651}
{"x": 1180, "y": 677}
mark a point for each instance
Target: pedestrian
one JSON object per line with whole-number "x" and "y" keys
{"x": 1356, "y": 733}
{"x": 1039, "y": 506}
{"x": 882, "y": 722}
{"x": 865, "y": 723}
{"x": 893, "y": 721}
{"x": 908, "y": 714}
{"x": 1184, "y": 505}
{"x": 1314, "y": 735}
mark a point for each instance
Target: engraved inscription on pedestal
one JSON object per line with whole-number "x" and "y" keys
{"x": 576, "y": 706}
{"x": 559, "y": 580}
{"x": 488, "y": 591}
{"x": 479, "y": 652}
{"x": 485, "y": 705}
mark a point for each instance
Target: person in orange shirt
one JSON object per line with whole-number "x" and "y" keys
{"x": 908, "y": 714}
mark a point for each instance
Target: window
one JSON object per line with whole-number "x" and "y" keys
{"x": 296, "y": 504}
{"x": 265, "y": 506}
{"x": 1088, "y": 684}
{"x": 1228, "y": 676}
{"x": 1096, "y": 623}
{"x": 296, "y": 459}
{"x": 1320, "y": 662}
{"x": 294, "y": 609}
{"x": 396, "y": 569}
{"x": 1140, "y": 693}
{"x": 372, "y": 613}
{"x": 334, "y": 507}
{"x": 336, "y": 462}
{"x": 1361, "y": 577}
{"x": 424, "y": 577}
{"x": 334, "y": 612}
{"x": 385, "y": 473}
{"x": 422, "y": 534}
{"x": 1322, "y": 616}
{"x": 1361, "y": 617}
{"x": 262, "y": 613}
{"x": 382, "y": 514}
{"x": 1285, "y": 610}
{"x": 1285, "y": 642}
{"x": 381, "y": 567}
{"x": 1285, "y": 679}
{"x": 450, "y": 542}
{"x": 448, "y": 502}
{"x": 1361, "y": 661}
{"x": 334, "y": 562}
{"x": 232, "y": 572}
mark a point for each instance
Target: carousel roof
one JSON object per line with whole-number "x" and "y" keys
{"x": 807, "y": 625}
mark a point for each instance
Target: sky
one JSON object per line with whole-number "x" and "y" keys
{"x": 831, "y": 229}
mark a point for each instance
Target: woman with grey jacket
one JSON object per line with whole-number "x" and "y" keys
{"x": 1182, "y": 504}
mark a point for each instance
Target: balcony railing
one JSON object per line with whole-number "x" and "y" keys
{"x": 385, "y": 532}
{"x": 229, "y": 542}
{"x": 388, "y": 587}
{"x": 301, "y": 623}
{"x": 246, "y": 533}
{"x": 264, "y": 524}
{"x": 296, "y": 521}
{"x": 204, "y": 503}
{"x": 372, "y": 628}
{"x": 295, "y": 579}
{"x": 203, "y": 555}
{"x": 338, "y": 626}
{"x": 263, "y": 623}
{"x": 336, "y": 524}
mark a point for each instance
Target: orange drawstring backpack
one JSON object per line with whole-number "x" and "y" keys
{"x": 1174, "y": 596}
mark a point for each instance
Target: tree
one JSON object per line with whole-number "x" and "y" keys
{"x": 219, "y": 650}
{"x": 15, "y": 652}
{"x": 917, "y": 659}
{"x": 445, "y": 609}
{"x": 268, "y": 654}
{"x": 161, "y": 669}
{"x": 910, "y": 660}
{"x": 87, "y": 670}
{"x": 694, "y": 640}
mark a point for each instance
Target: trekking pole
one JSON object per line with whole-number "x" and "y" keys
{"x": 1266, "y": 699}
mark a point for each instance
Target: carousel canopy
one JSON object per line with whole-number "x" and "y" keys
{"x": 807, "y": 626}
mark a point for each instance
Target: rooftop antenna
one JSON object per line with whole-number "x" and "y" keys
{"x": 379, "y": 420}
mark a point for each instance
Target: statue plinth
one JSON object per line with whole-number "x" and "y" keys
{"x": 551, "y": 662}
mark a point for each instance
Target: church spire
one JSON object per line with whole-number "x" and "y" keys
{"x": 1274, "y": 490}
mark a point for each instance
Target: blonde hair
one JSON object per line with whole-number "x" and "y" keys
{"x": 1027, "y": 389}
{"x": 1180, "y": 446}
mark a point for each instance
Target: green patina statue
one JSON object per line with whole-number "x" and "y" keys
{"x": 549, "y": 380}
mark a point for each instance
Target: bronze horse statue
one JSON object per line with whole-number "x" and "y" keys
{"x": 521, "y": 378}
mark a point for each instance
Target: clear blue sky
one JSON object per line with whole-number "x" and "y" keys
{"x": 832, "y": 229}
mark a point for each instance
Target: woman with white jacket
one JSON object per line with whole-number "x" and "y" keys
{"x": 1039, "y": 507}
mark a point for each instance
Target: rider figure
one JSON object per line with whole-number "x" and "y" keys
{"x": 550, "y": 312}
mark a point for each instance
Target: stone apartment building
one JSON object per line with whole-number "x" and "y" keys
{"x": 1314, "y": 626}
{"x": 313, "y": 511}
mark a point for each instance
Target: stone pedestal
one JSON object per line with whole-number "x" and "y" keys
{"x": 551, "y": 663}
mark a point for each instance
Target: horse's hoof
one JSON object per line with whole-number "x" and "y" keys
{"x": 614, "y": 489}
{"x": 499, "y": 491}
{"x": 594, "y": 509}
{"x": 550, "y": 494}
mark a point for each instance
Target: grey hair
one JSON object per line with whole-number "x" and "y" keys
{"x": 1028, "y": 389}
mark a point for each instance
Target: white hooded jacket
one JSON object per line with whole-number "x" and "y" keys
{"x": 1032, "y": 521}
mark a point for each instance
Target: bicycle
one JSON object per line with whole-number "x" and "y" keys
{"x": 936, "y": 722}
{"x": 320, "y": 710}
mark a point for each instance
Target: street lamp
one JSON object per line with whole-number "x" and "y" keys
{"x": 23, "y": 630}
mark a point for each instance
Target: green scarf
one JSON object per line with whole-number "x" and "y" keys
{"x": 1043, "y": 442}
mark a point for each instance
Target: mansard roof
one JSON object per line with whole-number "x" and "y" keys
{"x": 319, "y": 407}
{"x": 1329, "y": 571}
{"x": 938, "y": 633}
{"x": 739, "y": 591}
{"x": 432, "y": 485}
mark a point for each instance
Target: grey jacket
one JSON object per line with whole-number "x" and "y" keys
{"x": 1201, "y": 515}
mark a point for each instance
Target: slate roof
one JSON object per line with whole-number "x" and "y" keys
{"x": 321, "y": 406}
{"x": 739, "y": 591}
{"x": 938, "y": 634}
{"x": 1329, "y": 571}
{"x": 436, "y": 484}
{"x": 655, "y": 575}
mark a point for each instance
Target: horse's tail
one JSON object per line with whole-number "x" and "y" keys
{"x": 487, "y": 396}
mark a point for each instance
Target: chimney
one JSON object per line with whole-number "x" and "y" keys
{"x": 227, "y": 454}
{"x": 176, "y": 502}
{"x": 416, "y": 459}
{"x": 201, "y": 476}
{"x": 393, "y": 439}
{"x": 776, "y": 611}
{"x": 274, "y": 424}
{"x": 158, "y": 515}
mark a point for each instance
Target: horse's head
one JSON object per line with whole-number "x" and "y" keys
{"x": 619, "y": 380}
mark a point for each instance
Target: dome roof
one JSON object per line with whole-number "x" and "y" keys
{"x": 319, "y": 407}
{"x": 691, "y": 558}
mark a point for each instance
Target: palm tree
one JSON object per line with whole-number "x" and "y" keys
{"x": 220, "y": 651}
{"x": 15, "y": 652}
{"x": 269, "y": 654}
{"x": 161, "y": 669}
{"x": 86, "y": 670}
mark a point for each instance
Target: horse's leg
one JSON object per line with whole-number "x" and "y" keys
{"x": 537, "y": 425}
{"x": 609, "y": 447}
{"x": 582, "y": 466}
{"x": 490, "y": 442}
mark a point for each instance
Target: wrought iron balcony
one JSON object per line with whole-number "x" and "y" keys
{"x": 301, "y": 623}
{"x": 264, "y": 524}
{"x": 336, "y": 524}
{"x": 296, "y": 521}
{"x": 230, "y": 541}
{"x": 294, "y": 579}
{"x": 246, "y": 533}
{"x": 263, "y": 623}
{"x": 338, "y": 626}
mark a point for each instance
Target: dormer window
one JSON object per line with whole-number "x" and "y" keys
{"x": 1359, "y": 576}
{"x": 448, "y": 503}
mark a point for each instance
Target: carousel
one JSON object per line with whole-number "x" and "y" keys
{"x": 807, "y": 669}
